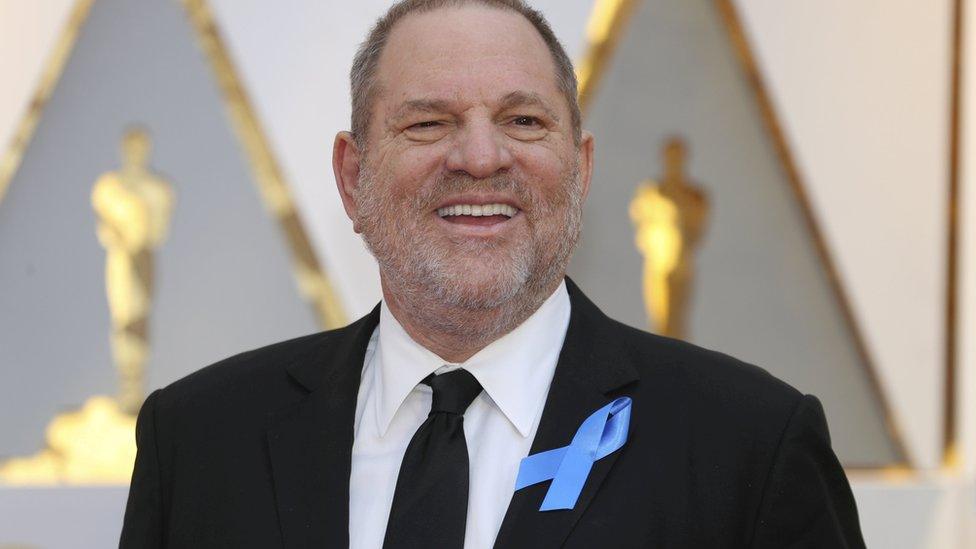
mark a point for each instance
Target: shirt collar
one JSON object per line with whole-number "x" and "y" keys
{"x": 514, "y": 370}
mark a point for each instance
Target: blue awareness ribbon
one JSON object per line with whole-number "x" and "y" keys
{"x": 601, "y": 434}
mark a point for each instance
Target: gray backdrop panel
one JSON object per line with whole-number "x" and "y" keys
{"x": 761, "y": 292}
{"x": 224, "y": 283}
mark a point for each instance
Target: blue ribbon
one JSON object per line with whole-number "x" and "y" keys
{"x": 601, "y": 434}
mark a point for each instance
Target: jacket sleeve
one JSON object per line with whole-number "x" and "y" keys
{"x": 807, "y": 501}
{"x": 142, "y": 527}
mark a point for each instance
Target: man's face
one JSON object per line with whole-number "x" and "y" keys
{"x": 469, "y": 117}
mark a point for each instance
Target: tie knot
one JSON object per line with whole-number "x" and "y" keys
{"x": 453, "y": 391}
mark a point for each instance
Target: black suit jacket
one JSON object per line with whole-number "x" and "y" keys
{"x": 254, "y": 451}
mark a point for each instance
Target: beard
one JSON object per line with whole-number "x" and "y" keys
{"x": 444, "y": 278}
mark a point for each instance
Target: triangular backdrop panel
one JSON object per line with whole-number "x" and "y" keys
{"x": 223, "y": 276}
{"x": 761, "y": 292}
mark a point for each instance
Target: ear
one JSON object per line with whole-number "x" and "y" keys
{"x": 586, "y": 161}
{"x": 345, "y": 164}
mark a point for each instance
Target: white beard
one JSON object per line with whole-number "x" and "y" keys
{"x": 468, "y": 287}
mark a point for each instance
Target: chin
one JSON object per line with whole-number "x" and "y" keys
{"x": 479, "y": 284}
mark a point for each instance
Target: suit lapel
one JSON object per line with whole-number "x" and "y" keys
{"x": 590, "y": 367}
{"x": 310, "y": 442}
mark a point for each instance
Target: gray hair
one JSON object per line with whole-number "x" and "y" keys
{"x": 362, "y": 77}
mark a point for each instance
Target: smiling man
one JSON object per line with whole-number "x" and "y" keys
{"x": 485, "y": 401}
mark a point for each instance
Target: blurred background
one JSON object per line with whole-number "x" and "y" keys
{"x": 788, "y": 182}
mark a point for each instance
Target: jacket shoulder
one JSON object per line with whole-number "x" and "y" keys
{"x": 253, "y": 381}
{"x": 708, "y": 379}
{"x": 254, "y": 364}
{"x": 674, "y": 370}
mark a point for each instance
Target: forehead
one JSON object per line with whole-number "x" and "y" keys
{"x": 469, "y": 53}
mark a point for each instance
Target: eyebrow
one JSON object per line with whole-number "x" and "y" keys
{"x": 511, "y": 100}
{"x": 523, "y": 99}
{"x": 418, "y": 105}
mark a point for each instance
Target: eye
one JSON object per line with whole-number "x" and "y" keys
{"x": 526, "y": 128}
{"x": 425, "y": 125}
{"x": 527, "y": 121}
{"x": 427, "y": 131}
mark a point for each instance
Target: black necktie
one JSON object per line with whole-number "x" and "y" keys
{"x": 430, "y": 503}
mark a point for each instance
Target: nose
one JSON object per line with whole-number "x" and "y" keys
{"x": 480, "y": 150}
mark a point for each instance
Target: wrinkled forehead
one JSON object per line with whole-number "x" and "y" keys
{"x": 469, "y": 53}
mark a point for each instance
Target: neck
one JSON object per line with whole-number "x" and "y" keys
{"x": 454, "y": 333}
{"x": 672, "y": 179}
{"x": 132, "y": 169}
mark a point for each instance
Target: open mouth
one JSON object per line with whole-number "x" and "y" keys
{"x": 477, "y": 214}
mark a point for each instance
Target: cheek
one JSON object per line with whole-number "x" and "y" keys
{"x": 411, "y": 168}
{"x": 550, "y": 186}
{"x": 548, "y": 169}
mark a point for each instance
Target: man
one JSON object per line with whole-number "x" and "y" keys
{"x": 465, "y": 172}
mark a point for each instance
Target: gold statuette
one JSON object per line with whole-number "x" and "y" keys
{"x": 669, "y": 218}
{"x": 96, "y": 444}
{"x": 133, "y": 206}
{"x": 93, "y": 445}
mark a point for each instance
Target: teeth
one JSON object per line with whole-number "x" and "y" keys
{"x": 477, "y": 210}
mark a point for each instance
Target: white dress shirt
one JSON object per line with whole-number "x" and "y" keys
{"x": 515, "y": 372}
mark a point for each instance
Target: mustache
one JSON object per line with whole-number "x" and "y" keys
{"x": 453, "y": 184}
